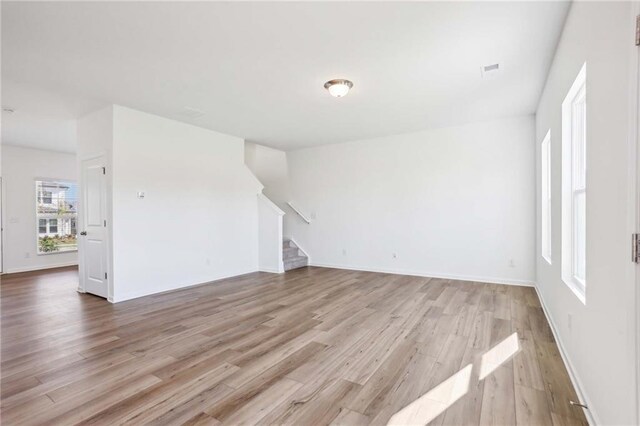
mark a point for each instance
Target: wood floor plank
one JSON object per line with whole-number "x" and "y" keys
{"x": 311, "y": 346}
{"x": 350, "y": 418}
{"x": 249, "y": 390}
{"x": 531, "y": 407}
{"x": 498, "y": 399}
{"x": 264, "y": 403}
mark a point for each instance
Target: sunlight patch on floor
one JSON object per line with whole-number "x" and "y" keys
{"x": 439, "y": 399}
{"x": 498, "y": 355}
{"x": 436, "y": 401}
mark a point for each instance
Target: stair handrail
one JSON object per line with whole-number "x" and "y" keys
{"x": 295, "y": 209}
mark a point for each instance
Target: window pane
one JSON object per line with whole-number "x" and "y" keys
{"x": 578, "y": 132}
{"x": 56, "y": 212}
{"x": 574, "y": 174}
{"x": 579, "y": 234}
{"x": 545, "y": 184}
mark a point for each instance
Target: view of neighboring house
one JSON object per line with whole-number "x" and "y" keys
{"x": 57, "y": 215}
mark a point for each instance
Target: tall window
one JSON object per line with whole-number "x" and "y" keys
{"x": 574, "y": 185}
{"x": 545, "y": 184}
{"x": 56, "y": 215}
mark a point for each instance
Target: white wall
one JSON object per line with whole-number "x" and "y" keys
{"x": 270, "y": 167}
{"x": 20, "y": 168}
{"x": 270, "y": 236}
{"x": 599, "y": 345}
{"x": 198, "y": 221}
{"x": 451, "y": 202}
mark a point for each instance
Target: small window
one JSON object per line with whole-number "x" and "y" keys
{"x": 574, "y": 185}
{"x": 53, "y": 226}
{"x": 56, "y": 215}
{"x": 545, "y": 184}
{"x": 46, "y": 197}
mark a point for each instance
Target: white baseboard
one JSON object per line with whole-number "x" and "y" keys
{"x": 271, "y": 270}
{"x": 39, "y": 267}
{"x": 591, "y": 416}
{"x": 491, "y": 280}
{"x": 132, "y": 295}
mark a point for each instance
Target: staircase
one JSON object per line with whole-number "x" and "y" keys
{"x": 292, "y": 256}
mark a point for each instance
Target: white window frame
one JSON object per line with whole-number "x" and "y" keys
{"x": 60, "y": 221}
{"x": 545, "y": 204}
{"x": 574, "y": 178}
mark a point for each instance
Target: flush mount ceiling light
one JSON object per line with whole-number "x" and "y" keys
{"x": 338, "y": 87}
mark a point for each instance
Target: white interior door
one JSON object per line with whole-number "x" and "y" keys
{"x": 94, "y": 232}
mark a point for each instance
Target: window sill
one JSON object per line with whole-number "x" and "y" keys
{"x": 57, "y": 252}
{"x": 577, "y": 288}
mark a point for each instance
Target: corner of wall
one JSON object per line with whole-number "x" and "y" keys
{"x": 590, "y": 413}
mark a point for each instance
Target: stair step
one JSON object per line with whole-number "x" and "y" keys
{"x": 292, "y": 257}
{"x": 295, "y": 262}
{"x": 288, "y": 244}
{"x": 289, "y": 252}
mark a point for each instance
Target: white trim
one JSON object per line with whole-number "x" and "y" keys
{"x": 546, "y": 232}
{"x": 634, "y": 181}
{"x": 568, "y": 223}
{"x": 39, "y": 267}
{"x": 590, "y": 414}
{"x": 271, "y": 270}
{"x": 271, "y": 204}
{"x": 481, "y": 279}
{"x": 132, "y": 296}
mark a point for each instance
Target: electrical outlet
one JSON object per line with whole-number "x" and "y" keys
{"x": 512, "y": 264}
{"x": 394, "y": 255}
{"x": 208, "y": 261}
{"x": 27, "y": 255}
{"x": 569, "y": 321}
{"x": 344, "y": 252}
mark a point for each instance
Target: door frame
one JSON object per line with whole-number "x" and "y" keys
{"x": 107, "y": 215}
{"x": 634, "y": 183}
{"x": 2, "y": 204}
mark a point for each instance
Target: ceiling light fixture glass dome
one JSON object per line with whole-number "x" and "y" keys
{"x": 338, "y": 87}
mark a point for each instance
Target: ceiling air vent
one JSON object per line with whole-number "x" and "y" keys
{"x": 490, "y": 71}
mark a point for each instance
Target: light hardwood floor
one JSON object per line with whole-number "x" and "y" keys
{"x": 312, "y": 346}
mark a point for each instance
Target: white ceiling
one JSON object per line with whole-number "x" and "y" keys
{"x": 257, "y": 69}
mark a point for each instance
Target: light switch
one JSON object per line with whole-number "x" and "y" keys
{"x": 140, "y": 194}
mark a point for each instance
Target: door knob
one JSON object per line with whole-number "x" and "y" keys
{"x": 83, "y": 233}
